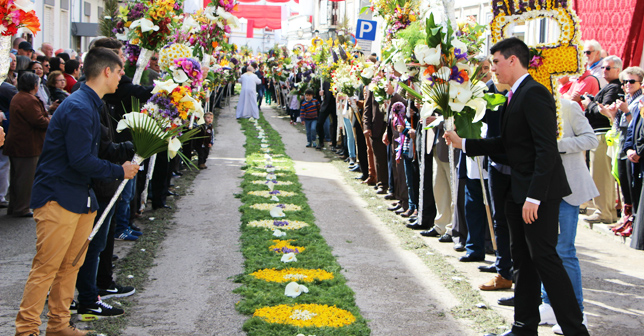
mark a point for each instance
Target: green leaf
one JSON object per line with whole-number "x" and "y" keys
{"x": 364, "y": 10}
{"x": 464, "y": 126}
{"x": 494, "y": 100}
{"x": 411, "y": 91}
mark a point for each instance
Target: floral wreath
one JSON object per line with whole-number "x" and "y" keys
{"x": 548, "y": 61}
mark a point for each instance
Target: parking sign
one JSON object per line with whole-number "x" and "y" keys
{"x": 366, "y": 30}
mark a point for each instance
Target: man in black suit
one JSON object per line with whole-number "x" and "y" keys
{"x": 538, "y": 183}
{"x": 327, "y": 109}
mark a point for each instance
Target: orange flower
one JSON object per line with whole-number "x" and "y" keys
{"x": 30, "y": 21}
{"x": 429, "y": 71}
{"x": 215, "y": 44}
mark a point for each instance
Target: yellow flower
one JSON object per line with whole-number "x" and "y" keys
{"x": 279, "y": 246}
{"x": 269, "y": 206}
{"x": 291, "y": 274}
{"x": 306, "y": 315}
{"x": 278, "y": 224}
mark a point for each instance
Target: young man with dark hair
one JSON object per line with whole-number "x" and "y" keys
{"x": 538, "y": 184}
{"x": 72, "y": 73}
{"x": 63, "y": 200}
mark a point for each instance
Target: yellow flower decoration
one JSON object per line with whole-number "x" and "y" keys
{"x": 279, "y": 224}
{"x": 563, "y": 58}
{"x": 306, "y": 315}
{"x": 269, "y": 206}
{"x": 292, "y": 274}
{"x": 267, "y": 194}
{"x": 284, "y": 246}
{"x": 276, "y": 183}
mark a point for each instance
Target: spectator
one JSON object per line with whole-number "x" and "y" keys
{"x": 584, "y": 84}
{"x": 47, "y": 49}
{"x": 64, "y": 56}
{"x": 25, "y": 137}
{"x": 72, "y": 73}
{"x": 12, "y": 77}
{"x": 7, "y": 92}
{"x": 600, "y": 161}
{"x": 16, "y": 43}
{"x": 593, "y": 51}
{"x": 204, "y": 141}
{"x": 25, "y": 49}
{"x": 44, "y": 60}
{"x": 309, "y": 113}
{"x": 64, "y": 203}
{"x": 57, "y": 63}
{"x": 43, "y": 91}
{"x": 22, "y": 63}
{"x": 56, "y": 83}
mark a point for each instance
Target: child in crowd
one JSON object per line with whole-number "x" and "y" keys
{"x": 309, "y": 114}
{"x": 293, "y": 106}
{"x": 204, "y": 141}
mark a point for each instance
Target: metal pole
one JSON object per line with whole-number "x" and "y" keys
{"x": 487, "y": 205}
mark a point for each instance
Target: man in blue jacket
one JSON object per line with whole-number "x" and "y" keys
{"x": 62, "y": 198}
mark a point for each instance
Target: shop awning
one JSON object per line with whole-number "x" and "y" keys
{"x": 260, "y": 16}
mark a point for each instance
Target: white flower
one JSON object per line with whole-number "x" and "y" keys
{"x": 145, "y": 24}
{"x": 427, "y": 110}
{"x": 190, "y": 24}
{"x": 460, "y": 92}
{"x": 270, "y": 185}
{"x": 208, "y": 12}
{"x": 427, "y": 55}
{"x": 230, "y": 19}
{"x": 167, "y": 86}
{"x": 288, "y": 257}
{"x": 443, "y": 73}
{"x": 174, "y": 146}
{"x": 399, "y": 63}
{"x": 24, "y": 5}
{"x": 277, "y": 212}
{"x": 179, "y": 76}
{"x": 271, "y": 176}
{"x": 136, "y": 119}
{"x": 479, "y": 105}
{"x": 457, "y": 44}
{"x": 124, "y": 36}
{"x": 275, "y": 199}
{"x": 279, "y": 233}
{"x": 399, "y": 43}
{"x": 293, "y": 289}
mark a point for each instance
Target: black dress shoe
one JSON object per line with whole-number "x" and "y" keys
{"x": 162, "y": 207}
{"x": 399, "y": 211}
{"x": 430, "y": 233}
{"x": 362, "y": 178}
{"x": 395, "y": 207}
{"x": 445, "y": 238}
{"x": 28, "y": 214}
{"x": 171, "y": 193}
{"x": 356, "y": 169}
{"x": 418, "y": 226}
{"x": 506, "y": 301}
{"x": 381, "y": 191}
{"x": 488, "y": 268}
{"x": 390, "y": 197}
{"x": 470, "y": 258}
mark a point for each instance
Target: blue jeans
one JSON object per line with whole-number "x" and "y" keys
{"x": 475, "y": 218}
{"x": 86, "y": 279}
{"x": 411, "y": 177}
{"x": 351, "y": 141}
{"x": 122, "y": 212}
{"x": 568, "y": 218}
{"x": 310, "y": 130}
{"x": 260, "y": 95}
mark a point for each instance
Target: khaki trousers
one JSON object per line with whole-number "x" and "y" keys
{"x": 600, "y": 169}
{"x": 443, "y": 196}
{"x": 60, "y": 236}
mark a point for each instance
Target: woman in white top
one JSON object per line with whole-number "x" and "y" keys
{"x": 247, "y": 105}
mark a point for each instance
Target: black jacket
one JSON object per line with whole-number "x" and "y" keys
{"x": 528, "y": 137}
{"x": 121, "y": 102}
{"x": 605, "y": 96}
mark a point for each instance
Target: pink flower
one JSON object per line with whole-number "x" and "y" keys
{"x": 536, "y": 61}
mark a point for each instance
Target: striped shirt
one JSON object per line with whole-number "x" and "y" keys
{"x": 309, "y": 109}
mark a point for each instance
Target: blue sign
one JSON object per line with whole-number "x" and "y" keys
{"x": 366, "y": 30}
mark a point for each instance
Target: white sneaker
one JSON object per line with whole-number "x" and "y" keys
{"x": 547, "y": 314}
{"x": 557, "y": 329}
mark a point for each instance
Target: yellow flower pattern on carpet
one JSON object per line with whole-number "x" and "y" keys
{"x": 306, "y": 315}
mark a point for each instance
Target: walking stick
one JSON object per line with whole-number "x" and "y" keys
{"x": 487, "y": 205}
{"x": 136, "y": 159}
{"x": 148, "y": 177}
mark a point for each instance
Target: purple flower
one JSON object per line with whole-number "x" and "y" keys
{"x": 460, "y": 54}
{"x": 280, "y": 223}
{"x": 281, "y": 206}
{"x": 274, "y": 192}
{"x": 269, "y": 166}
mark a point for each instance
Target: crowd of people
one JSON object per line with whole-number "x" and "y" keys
{"x": 58, "y": 109}
{"x": 595, "y": 171}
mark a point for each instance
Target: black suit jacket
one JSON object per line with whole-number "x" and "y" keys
{"x": 528, "y": 137}
{"x": 329, "y": 100}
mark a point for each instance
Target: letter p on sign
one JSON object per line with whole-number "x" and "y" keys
{"x": 366, "y": 30}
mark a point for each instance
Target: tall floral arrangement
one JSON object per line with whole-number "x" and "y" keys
{"x": 15, "y": 14}
{"x": 398, "y": 14}
{"x": 346, "y": 78}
